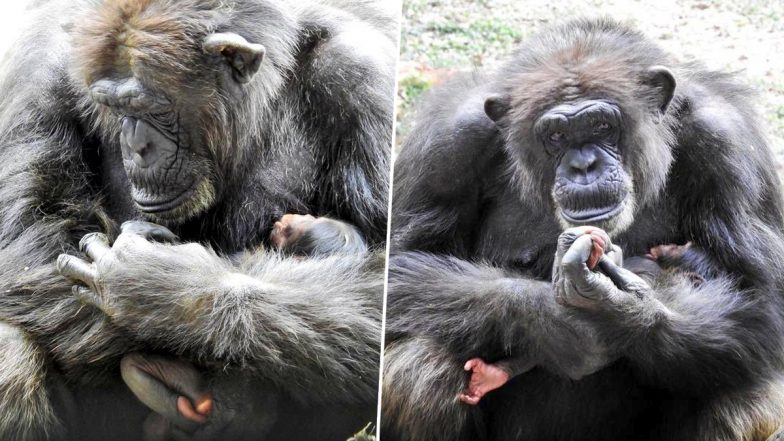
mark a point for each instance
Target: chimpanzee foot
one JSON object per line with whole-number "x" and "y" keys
{"x": 171, "y": 387}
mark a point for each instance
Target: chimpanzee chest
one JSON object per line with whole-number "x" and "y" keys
{"x": 515, "y": 236}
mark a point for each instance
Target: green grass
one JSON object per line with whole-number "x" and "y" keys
{"x": 455, "y": 39}
{"x": 409, "y": 90}
{"x": 443, "y": 36}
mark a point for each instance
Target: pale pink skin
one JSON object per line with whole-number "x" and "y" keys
{"x": 485, "y": 377}
{"x": 289, "y": 228}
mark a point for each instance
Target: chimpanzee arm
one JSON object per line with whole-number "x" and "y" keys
{"x": 680, "y": 336}
{"x": 311, "y": 326}
{"x": 352, "y": 73}
{"x": 47, "y": 202}
{"x": 477, "y": 310}
{"x": 725, "y": 332}
{"x": 442, "y": 311}
{"x": 46, "y": 205}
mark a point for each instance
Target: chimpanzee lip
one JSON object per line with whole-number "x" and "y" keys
{"x": 592, "y": 215}
{"x": 162, "y": 205}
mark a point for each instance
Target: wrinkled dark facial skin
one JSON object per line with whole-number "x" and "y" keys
{"x": 591, "y": 186}
{"x": 169, "y": 173}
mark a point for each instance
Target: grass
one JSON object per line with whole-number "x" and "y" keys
{"x": 441, "y": 37}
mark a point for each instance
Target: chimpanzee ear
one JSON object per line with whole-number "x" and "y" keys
{"x": 661, "y": 79}
{"x": 243, "y": 57}
{"x": 497, "y": 106}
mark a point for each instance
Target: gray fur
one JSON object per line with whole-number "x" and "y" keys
{"x": 310, "y": 133}
{"x": 474, "y": 239}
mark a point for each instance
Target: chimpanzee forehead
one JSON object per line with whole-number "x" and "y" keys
{"x": 584, "y": 108}
{"x": 140, "y": 38}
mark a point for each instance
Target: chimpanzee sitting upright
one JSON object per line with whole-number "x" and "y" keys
{"x": 585, "y": 126}
{"x": 213, "y": 118}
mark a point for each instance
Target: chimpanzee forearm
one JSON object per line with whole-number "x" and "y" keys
{"x": 681, "y": 336}
{"x": 312, "y": 326}
{"x": 482, "y": 311}
{"x": 442, "y": 311}
{"x": 46, "y": 205}
{"x": 696, "y": 338}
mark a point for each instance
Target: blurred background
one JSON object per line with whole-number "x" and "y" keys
{"x": 442, "y": 37}
{"x": 11, "y": 22}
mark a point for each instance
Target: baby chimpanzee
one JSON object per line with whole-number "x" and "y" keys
{"x": 685, "y": 259}
{"x": 305, "y": 235}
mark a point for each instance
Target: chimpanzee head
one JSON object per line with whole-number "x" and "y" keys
{"x": 176, "y": 89}
{"x": 584, "y": 125}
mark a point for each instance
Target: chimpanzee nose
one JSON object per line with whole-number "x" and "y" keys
{"x": 138, "y": 142}
{"x": 583, "y": 165}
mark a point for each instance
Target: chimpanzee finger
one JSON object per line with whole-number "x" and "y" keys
{"x": 149, "y": 231}
{"x": 615, "y": 254}
{"x": 187, "y": 409}
{"x": 88, "y": 297}
{"x": 95, "y": 245}
{"x": 624, "y": 279}
{"x": 574, "y": 260}
{"x": 568, "y": 236}
{"x": 469, "y": 399}
{"x": 599, "y": 239}
{"x": 76, "y": 269}
{"x": 151, "y": 377}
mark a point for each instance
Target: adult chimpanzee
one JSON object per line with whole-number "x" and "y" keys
{"x": 213, "y": 118}
{"x": 584, "y": 126}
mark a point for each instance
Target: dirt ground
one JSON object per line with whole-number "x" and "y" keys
{"x": 441, "y": 37}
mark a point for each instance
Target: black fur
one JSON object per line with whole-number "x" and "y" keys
{"x": 474, "y": 236}
{"x": 310, "y": 133}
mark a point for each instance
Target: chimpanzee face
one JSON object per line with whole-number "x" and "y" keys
{"x": 591, "y": 186}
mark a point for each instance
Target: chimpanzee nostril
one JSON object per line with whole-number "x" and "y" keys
{"x": 581, "y": 165}
{"x": 142, "y": 143}
{"x": 582, "y": 161}
{"x": 133, "y": 134}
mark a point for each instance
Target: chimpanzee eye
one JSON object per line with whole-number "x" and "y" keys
{"x": 602, "y": 127}
{"x": 556, "y": 136}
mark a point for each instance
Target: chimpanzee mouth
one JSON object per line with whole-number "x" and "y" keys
{"x": 591, "y": 215}
{"x": 148, "y": 204}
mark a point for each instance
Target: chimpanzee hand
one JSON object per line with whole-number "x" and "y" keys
{"x": 183, "y": 406}
{"x": 136, "y": 234}
{"x": 577, "y": 284}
